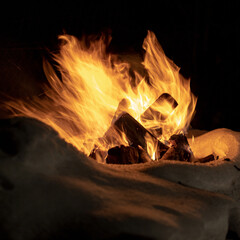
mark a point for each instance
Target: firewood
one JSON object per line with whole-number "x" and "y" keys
{"x": 127, "y": 155}
{"x": 143, "y": 155}
{"x": 179, "y": 149}
{"x": 111, "y": 136}
{"x": 161, "y": 150}
{"x": 136, "y": 134}
{"x": 206, "y": 159}
{"x": 134, "y": 131}
{"x": 151, "y": 114}
{"x": 122, "y": 155}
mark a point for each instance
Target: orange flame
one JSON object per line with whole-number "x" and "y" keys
{"x": 81, "y": 105}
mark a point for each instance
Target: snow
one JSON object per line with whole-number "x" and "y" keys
{"x": 49, "y": 190}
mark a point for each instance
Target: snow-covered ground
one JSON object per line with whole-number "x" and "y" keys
{"x": 49, "y": 190}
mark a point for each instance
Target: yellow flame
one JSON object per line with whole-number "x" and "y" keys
{"x": 165, "y": 78}
{"x": 193, "y": 139}
{"x": 81, "y": 105}
{"x": 151, "y": 147}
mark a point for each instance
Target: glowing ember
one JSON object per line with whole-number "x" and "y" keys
{"x": 82, "y": 104}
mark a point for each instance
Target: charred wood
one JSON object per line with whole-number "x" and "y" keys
{"x": 127, "y": 155}
{"x": 122, "y": 155}
{"x": 151, "y": 113}
{"x": 133, "y": 130}
{"x": 179, "y": 149}
{"x": 136, "y": 134}
{"x": 143, "y": 155}
{"x": 206, "y": 159}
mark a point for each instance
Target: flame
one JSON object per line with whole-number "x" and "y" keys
{"x": 193, "y": 139}
{"x": 82, "y": 103}
{"x": 151, "y": 147}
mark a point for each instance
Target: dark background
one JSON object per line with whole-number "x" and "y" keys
{"x": 201, "y": 37}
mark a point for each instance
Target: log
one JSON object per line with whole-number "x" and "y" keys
{"x": 122, "y": 155}
{"x": 136, "y": 134}
{"x": 134, "y": 131}
{"x": 111, "y": 136}
{"x": 151, "y": 113}
{"x": 127, "y": 155}
{"x": 143, "y": 155}
{"x": 206, "y": 159}
{"x": 124, "y": 123}
{"x": 179, "y": 149}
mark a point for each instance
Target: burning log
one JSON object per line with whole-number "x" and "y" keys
{"x": 124, "y": 124}
{"x": 122, "y": 155}
{"x": 179, "y": 149}
{"x": 136, "y": 134}
{"x": 134, "y": 131}
{"x": 143, "y": 155}
{"x": 127, "y": 155}
{"x": 166, "y": 101}
{"x": 136, "y": 152}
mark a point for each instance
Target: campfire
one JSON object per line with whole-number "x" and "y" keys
{"x": 110, "y": 112}
{"x": 122, "y": 164}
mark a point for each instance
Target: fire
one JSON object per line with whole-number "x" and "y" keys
{"x": 83, "y": 103}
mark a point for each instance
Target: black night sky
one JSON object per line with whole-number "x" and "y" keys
{"x": 201, "y": 37}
